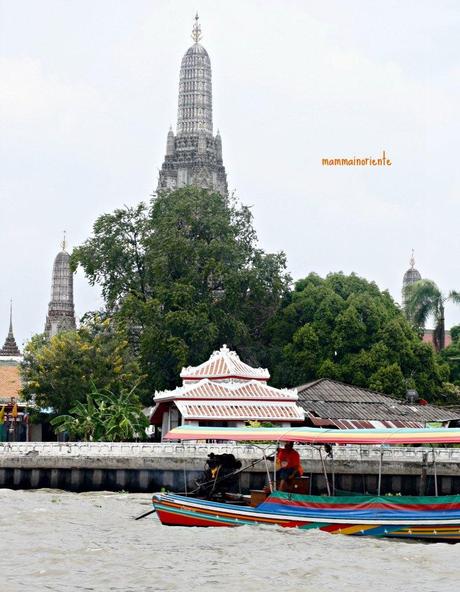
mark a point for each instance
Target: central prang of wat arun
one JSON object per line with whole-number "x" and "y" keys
{"x": 194, "y": 154}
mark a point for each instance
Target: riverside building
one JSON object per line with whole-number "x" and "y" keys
{"x": 224, "y": 391}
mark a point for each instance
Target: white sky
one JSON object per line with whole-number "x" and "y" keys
{"x": 88, "y": 90}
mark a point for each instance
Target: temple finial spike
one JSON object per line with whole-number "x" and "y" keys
{"x": 11, "y": 317}
{"x": 412, "y": 260}
{"x": 196, "y": 31}
{"x": 64, "y": 241}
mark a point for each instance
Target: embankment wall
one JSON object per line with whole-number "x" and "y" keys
{"x": 148, "y": 467}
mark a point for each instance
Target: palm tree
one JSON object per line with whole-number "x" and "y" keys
{"x": 424, "y": 299}
{"x": 83, "y": 421}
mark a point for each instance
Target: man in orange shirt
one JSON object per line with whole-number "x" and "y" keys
{"x": 288, "y": 465}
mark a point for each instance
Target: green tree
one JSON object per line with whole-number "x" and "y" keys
{"x": 451, "y": 356}
{"x": 193, "y": 279}
{"x": 60, "y": 372}
{"x": 344, "y": 328}
{"x": 106, "y": 416}
{"x": 424, "y": 299}
{"x": 83, "y": 422}
{"x": 114, "y": 257}
{"x": 455, "y": 333}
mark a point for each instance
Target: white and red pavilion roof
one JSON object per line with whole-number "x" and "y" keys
{"x": 240, "y": 410}
{"x": 226, "y": 389}
{"x": 208, "y": 389}
{"x": 224, "y": 364}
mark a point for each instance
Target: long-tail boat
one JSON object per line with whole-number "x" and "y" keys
{"x": 419, "y": 517}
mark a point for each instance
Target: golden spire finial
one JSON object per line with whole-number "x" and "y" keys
{"x": 412, "y": 260}
{"x": 64, "y": 242}
{"x": 196, "y": 31}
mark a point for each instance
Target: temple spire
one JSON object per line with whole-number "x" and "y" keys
{"x": 411, "y": 276}
{"x": 196, "y": 31}
{"x": 10, "y": 348}
{"x": 61, "y": 310}
{"x": 194, "y": 155}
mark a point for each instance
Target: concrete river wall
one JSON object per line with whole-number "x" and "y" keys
{"x": 146, "y": 467}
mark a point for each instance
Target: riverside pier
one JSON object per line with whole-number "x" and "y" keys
{"x": 149, "y": 467}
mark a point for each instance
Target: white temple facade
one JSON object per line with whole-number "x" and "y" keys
{"x": 224, "y": 391}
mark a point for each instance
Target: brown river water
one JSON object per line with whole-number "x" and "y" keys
{"x": 64, "y": 542}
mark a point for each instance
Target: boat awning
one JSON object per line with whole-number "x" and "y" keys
{"x": 319, "y": 436}
{"x": 240, "y": 410}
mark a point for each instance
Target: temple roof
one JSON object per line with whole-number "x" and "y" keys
{"x": 226, "y": 389}
{"x": 10, "y": 382}
{"x": 240, "y": 410}
{"x": 224, "y": 364}
{"x": 196, "y": 49}
{"x": 208, "y": 389}
{"x": 412, "y": 275}
{"x": 10, "y": 348}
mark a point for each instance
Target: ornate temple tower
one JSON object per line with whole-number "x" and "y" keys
{"x": 194, "y": 155}
{"x": 61, "y": 311}
{"x": 10, "y": 349}
{"x": 411, "y": 276}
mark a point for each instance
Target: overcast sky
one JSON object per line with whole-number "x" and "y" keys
{"x": 88, "y": 89}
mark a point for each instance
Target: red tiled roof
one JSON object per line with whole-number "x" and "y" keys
{"x": 428, "y": 337}
{"x": 10, "y": 382}
{"x": 224, "y": 364}
{"x": 209, "y": 389}
{"x": 240, "y": 410}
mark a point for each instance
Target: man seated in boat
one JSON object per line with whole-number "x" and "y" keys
{"x": 288, "y": 466}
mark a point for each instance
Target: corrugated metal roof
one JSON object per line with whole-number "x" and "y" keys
{"x": 239, "y": 410}
{"x": 329, "y": 399}
{"x": 209, "y": 389}
{"x": 348, "y": 424}
{"x": 224, "y": 364}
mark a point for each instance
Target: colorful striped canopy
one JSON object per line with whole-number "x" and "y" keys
{"x": 319, "y": 436}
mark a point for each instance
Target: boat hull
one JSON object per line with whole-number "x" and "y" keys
{"x": 434, "y": 519}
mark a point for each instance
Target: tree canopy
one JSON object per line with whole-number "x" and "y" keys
{"x": 345, "y": 328}
{"x": 184, "y": 276}
{"x": 451, "y": 355}
{"x": 105, "y": 416}
{"x": 61, "y": 372}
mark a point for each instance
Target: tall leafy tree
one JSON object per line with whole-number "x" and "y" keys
{"x": 345, "y": 328}
{"x": 192, "y": 279}
{"x": 424, "y": 299}
{"x": 60, "y": 372}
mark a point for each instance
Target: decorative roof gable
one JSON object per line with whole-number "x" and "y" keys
{"x": 252, "y": 390}
{"x": 224, "y": 364}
